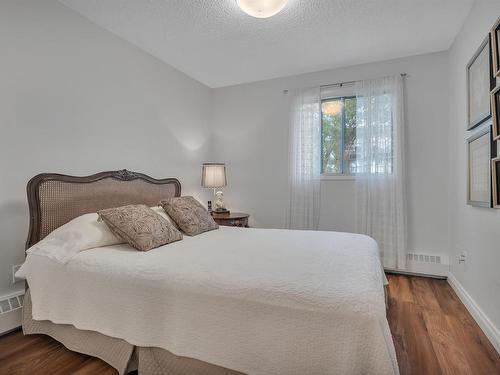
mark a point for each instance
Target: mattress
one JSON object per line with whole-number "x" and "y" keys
{"x": 258, "y": 301}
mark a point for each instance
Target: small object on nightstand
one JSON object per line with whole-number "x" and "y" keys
{"x": 220, "y": 207}
{"x": 233, "y": 219}
{"x": 209, "y": 206}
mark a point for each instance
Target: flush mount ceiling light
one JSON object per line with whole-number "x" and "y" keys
{"x": 261, "y": 8}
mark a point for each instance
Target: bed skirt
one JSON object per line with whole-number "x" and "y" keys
{"x": 118, "y": 353}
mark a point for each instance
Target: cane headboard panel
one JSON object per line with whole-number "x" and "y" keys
{"x": 55, "y": 199}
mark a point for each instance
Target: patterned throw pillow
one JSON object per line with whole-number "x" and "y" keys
{"x": 189, "y": 214}
{"x": 140, "y": 226}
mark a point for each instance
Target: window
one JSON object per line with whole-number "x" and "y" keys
{"x": 338, "y": 136}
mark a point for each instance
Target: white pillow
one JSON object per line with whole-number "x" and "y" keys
{"x": 82, "y": 233}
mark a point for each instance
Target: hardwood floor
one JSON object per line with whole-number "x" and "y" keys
{"x": 41, "y": 355}
{"x": 433, "y": 334}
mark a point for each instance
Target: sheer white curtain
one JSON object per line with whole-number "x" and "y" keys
{"x": 305, "y": 160}
{"x": 380, "y": 179}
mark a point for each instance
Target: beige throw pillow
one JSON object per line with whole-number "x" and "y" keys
{"x": 189, "y": 214}
{"x": 140, "y": 226}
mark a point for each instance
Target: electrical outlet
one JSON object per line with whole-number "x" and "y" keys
{"x": 463, "y": 257}
{"x": 14, "y": 270}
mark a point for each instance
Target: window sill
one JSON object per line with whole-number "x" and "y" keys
{"x": 325, "y": 177}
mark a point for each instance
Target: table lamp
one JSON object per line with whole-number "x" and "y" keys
{"x": 214, "y": 176}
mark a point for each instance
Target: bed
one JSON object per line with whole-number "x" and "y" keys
{"x": 229, "y": 301}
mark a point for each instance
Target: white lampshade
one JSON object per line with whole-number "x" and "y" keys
{"x": 261, "y": 8}
{"x": 213, "y": 175}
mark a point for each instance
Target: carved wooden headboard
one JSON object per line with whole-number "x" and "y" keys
{"x": 54, "y": 199}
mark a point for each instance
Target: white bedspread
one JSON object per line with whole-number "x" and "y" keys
{"x": 259, "y": 301}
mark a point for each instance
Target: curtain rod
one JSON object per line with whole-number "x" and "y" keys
{"x": 340, "y": 84}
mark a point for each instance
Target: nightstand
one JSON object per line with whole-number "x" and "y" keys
{"x": 233, "y": 219}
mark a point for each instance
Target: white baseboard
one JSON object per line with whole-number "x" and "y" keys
{"x": 424, "y": 269}
{"x": 479, "y": 316}
{"x": 10, "y": 311}
{"x": 10, "y": 321}
{"x": 440, "y": 270}
{"x": 418, "y": 274}
{"x": 425, "y": 263}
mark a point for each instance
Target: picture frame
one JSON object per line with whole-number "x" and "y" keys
{"x": 480, "y": 82}
{"x": 495, "y": 45}
{"x": 480, "y": 150}
{"x": 495, "y": 110}
{"x": 495, "y": 174}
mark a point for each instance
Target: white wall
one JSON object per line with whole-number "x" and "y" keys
{"x": 76, "y": 99}
{"x": 250, "y": 124}
{"x": 475, "y": 230}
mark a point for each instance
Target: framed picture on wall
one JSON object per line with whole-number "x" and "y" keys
{"x": 495, "y": 172}
{"x": 479, "y": 84}
{"x": 495, "y": 109}
{"x": 495, "y": 45}
{"x": 480, "y": 148}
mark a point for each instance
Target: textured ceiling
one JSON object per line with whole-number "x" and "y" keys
{"x": 214, "y": 42}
